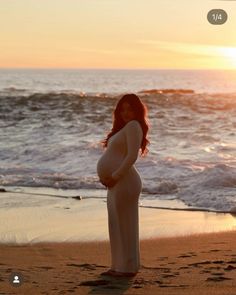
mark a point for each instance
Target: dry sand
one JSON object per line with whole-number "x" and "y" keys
{"x": 198, "y": 264}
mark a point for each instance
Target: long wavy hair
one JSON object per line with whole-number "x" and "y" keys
{"x": 140, "y": 111}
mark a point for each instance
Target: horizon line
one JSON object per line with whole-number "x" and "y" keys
{"x": 134, "y": 69}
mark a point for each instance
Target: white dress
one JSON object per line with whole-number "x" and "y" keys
{"x": 122, "y": 199}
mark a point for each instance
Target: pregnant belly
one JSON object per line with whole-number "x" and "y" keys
{"x": 107, "y": 164}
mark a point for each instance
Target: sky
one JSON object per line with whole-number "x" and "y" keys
{"x": 133, "y": 34}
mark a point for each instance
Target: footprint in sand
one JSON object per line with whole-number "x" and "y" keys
{"x": 205, "y": 271}
{"x": 199, "y": 264}
{"x": 73, "y": 264}
{"x": 173, "y": 286}
{"x": 218, "y": 262}
{"x": 187, "y": 255}
{"x": 229, "y": 268}
{"x": 218, "y": 279}
{"x": 217, "y": 273}
{"x": 86, "y": 266}
{"x": 168, "y": 276}
{"x": 232, "y": 261}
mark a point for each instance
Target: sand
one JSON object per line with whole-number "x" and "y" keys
{"x": 196, "y": 264}
{"x": 60, "y": 246}
{"x": 27, "y": 218}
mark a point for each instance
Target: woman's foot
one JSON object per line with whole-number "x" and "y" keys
{"x": 114, "y": 273}
{"x": 125, "y": 274}
{"x": 110, "y": 272}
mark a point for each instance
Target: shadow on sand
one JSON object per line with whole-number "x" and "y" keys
{"x": 109, "y": 285}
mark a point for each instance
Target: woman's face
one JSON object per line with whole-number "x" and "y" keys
{"x": 127, "y": 114}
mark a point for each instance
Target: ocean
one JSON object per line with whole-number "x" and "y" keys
{"x": 52, "y": 122}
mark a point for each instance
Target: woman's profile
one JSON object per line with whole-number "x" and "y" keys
{"x": 117, "y": 172}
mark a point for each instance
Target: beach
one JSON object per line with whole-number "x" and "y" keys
{"x": 194, "y": 264}
{"x": 60, "y": 246}
{"x": 53, "y": 214}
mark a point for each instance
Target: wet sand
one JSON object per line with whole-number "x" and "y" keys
{"x": 27, "y": 218}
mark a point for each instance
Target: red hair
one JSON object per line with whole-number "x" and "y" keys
{"x": 140, "y": 111}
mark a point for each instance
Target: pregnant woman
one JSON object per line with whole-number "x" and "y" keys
{"x": 117, "y": 172}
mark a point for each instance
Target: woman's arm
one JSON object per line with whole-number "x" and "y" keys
{"x": 134, "y": 136}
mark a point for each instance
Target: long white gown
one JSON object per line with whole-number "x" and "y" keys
{"x": 122, "y": 199}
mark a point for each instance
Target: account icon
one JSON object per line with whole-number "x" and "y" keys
{"x": 16, "y": 279}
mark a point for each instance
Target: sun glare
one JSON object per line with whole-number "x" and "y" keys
{"x": 230, "y": 54}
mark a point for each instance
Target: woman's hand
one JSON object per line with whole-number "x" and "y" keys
{"x": 108, "y": 181}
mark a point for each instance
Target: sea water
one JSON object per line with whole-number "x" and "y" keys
{"x": 52, "y": 122}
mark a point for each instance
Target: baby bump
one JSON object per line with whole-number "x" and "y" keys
{"x": 107, "y": 164}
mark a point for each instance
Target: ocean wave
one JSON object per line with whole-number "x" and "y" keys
{"x": 165, "y": 98}
{"x": 164, "y": 187}
{"x": 13, "y": 89}
{"x": 221, "y": 176}
{"x": 166, "y": 91}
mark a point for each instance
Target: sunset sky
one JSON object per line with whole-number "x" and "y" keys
{"x": 161, "y": 34}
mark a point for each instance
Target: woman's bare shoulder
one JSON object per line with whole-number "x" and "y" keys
{"x": 133, "y": 125}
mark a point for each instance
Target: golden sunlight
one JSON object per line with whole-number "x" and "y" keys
{"x": 230, "y": 54}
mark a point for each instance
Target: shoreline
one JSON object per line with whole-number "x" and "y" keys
{"x": 193, "y": 264}
{"x": 83, "y": 194}
{"x": 30, "y": 219}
